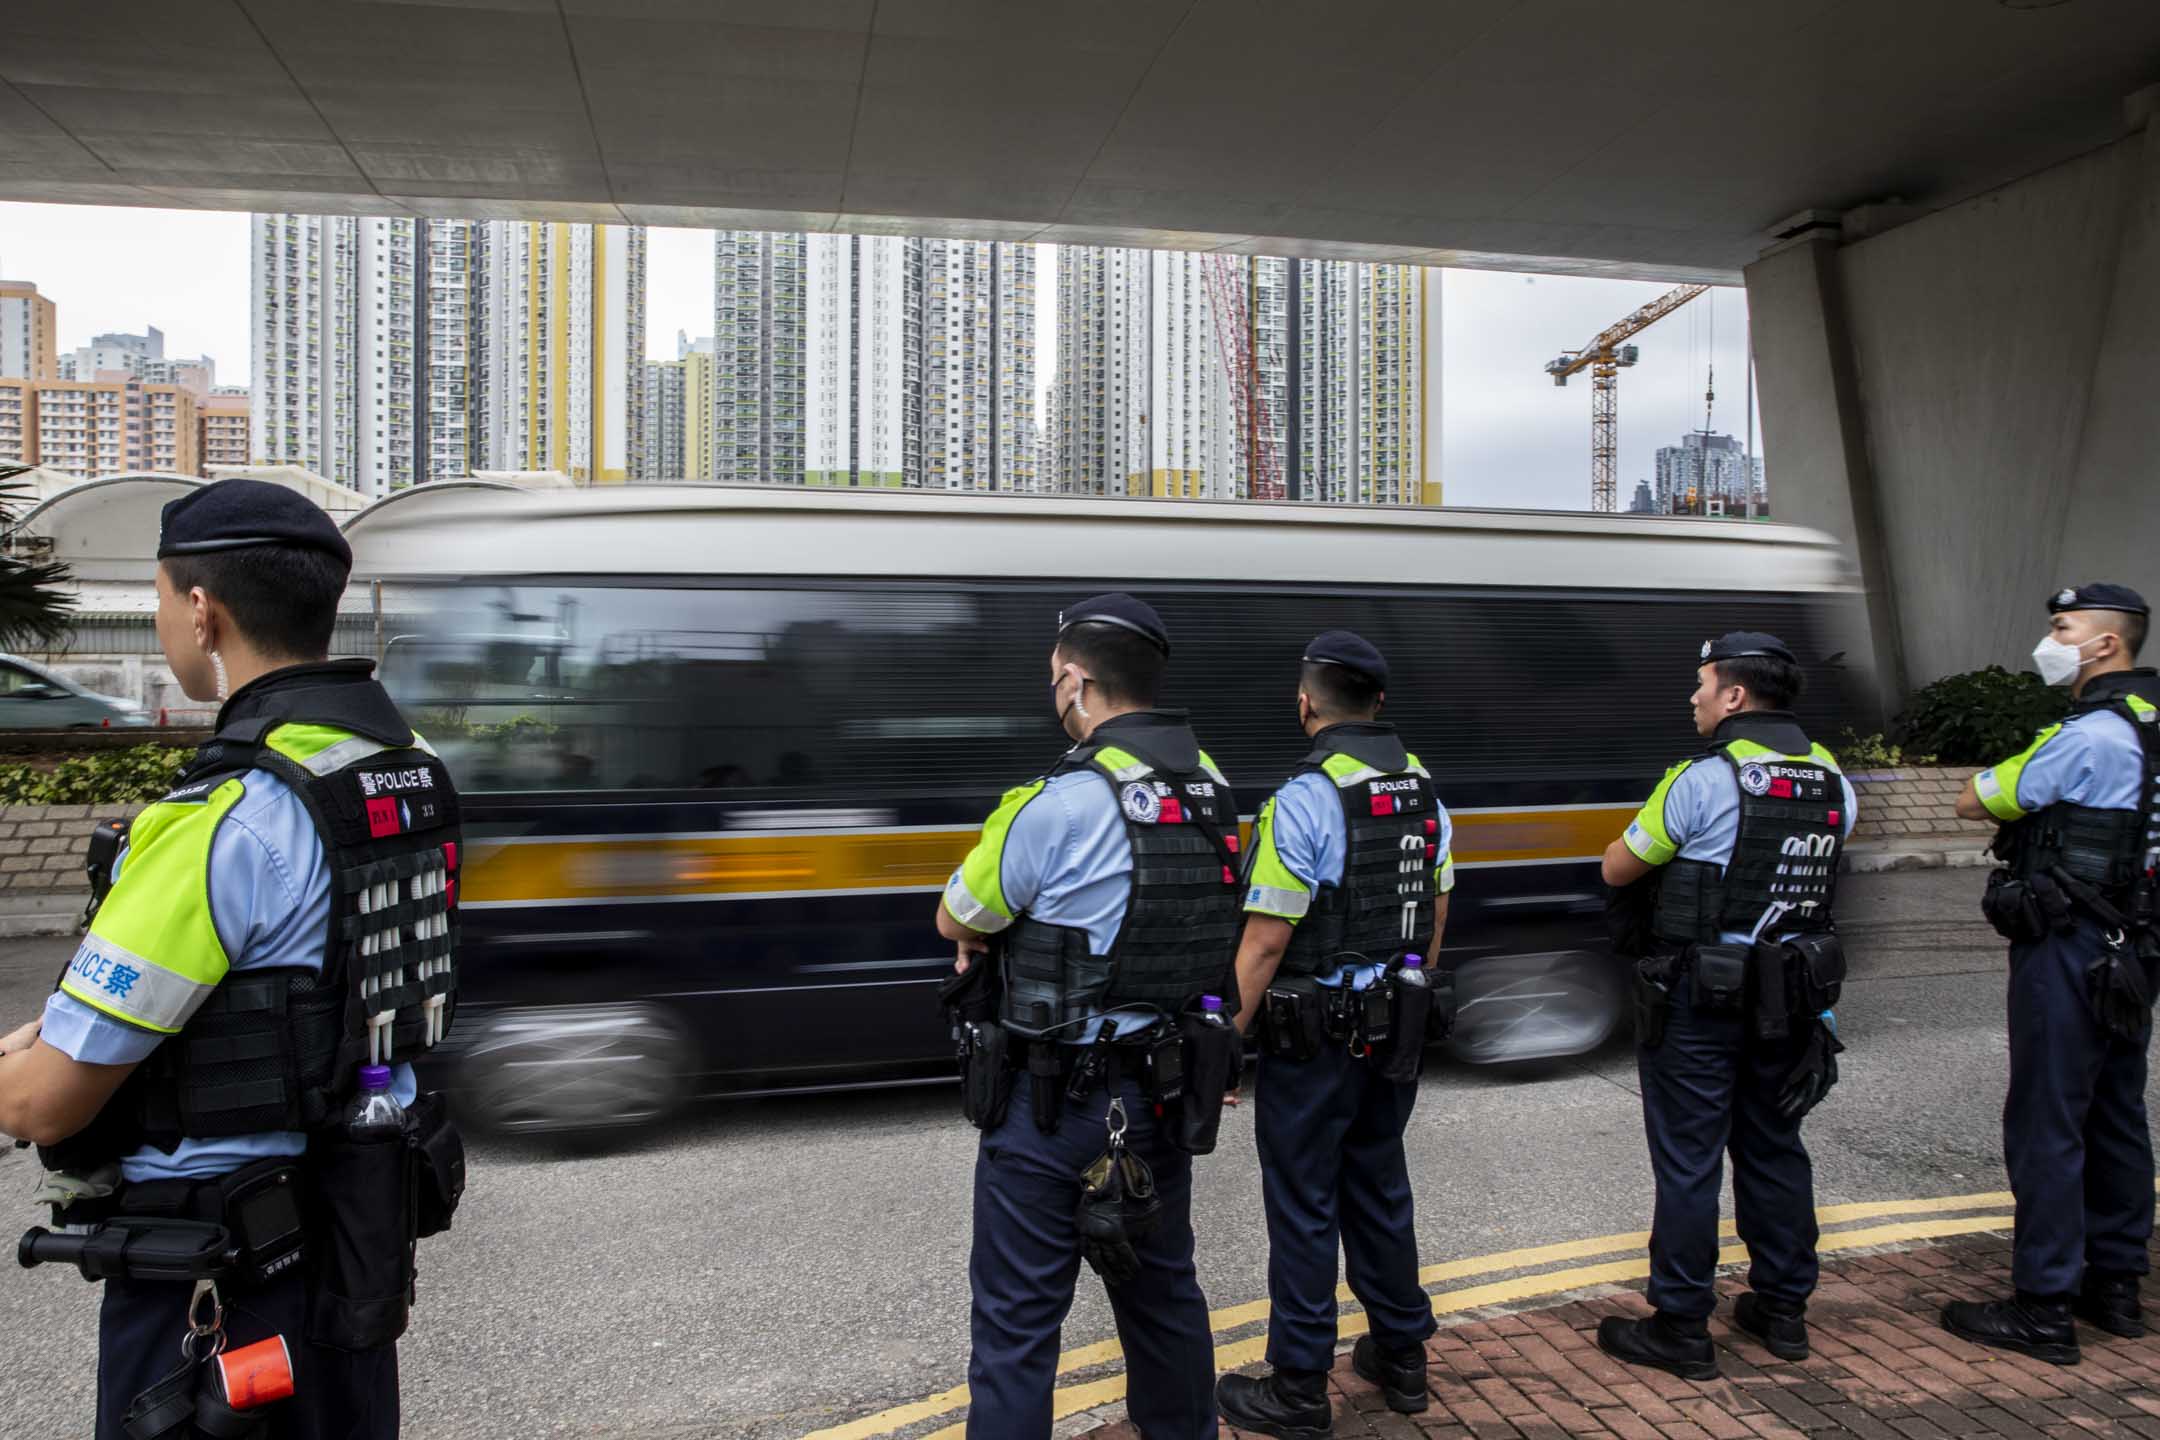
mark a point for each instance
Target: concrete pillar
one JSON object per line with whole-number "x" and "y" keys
{"x": 1813, "y": 428}
{"x": 2112, "y": 529}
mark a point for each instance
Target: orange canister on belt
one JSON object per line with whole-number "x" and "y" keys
{"x": 256, "y": 1375}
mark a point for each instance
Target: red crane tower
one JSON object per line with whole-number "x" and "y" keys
{"x": 1231, "y": 303}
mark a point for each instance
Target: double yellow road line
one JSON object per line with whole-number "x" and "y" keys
{"x": 1631, "y": 1263}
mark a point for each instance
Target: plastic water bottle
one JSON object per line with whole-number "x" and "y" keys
{"x": 375, "y": 1115}
{"x": 1211, "y": 1011}
{"x": 1413, "y": 973}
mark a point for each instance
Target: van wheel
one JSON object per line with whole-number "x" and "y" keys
{"x": 575, "y": 1069}
{"x": 1535, "y": 1007}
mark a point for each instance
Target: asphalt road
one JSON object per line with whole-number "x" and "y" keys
{"x": 767, "y": 1268}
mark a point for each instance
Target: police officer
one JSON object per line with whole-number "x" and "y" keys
{"x": 2081, "y": 840}
{"x": 1737, "y": 845}
{"x": 1331, "y": 900}
{"x": 1109, "y": 887}
{"x": 212, "y": 1017}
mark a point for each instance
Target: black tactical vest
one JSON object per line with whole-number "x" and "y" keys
{"x": 2116, "y": 851}
{"x": 1792, "y": 833}
{"x": 281, "y": 1049}
{"x": 1391, "y": 818}
{"x": 1181, "y": 922}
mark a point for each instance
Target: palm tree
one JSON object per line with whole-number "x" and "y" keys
{"x": 33, "y": 607}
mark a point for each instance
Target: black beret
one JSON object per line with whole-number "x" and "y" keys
{"x": 2098, "y": 597}
{"x": 1349, "y": 650}
{"x": 1117, "y": 609}
{"x": 237, "y": 514}
{"x": 1739, "y": 644}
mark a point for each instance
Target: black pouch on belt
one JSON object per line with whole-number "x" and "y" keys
{"x": 1214, "y": 1053}
{"x": 1817, "y": 965}
{"x": 2009, "y": 905}
{"x": 1413, "y": 1007}
{"x": 439, "y": 1152}
{"x": 363, "y": 1208}
{"x": 1338, "y": 1014}
{"x": 1653, "y": 998}
{"x": 1721, "y": 976}
{"x": 1772, "y": 1012}
{"x": 1374, "y": 1008}
{"x": 986, "y": 1073}
{"x": 1293, "y": 1018}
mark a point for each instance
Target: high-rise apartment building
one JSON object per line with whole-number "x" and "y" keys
{"x": 1104, "y": 366}
{"x": 29, "y": 332}
{"x": 18, "y": 419}
{"x": 564, "y": 349}
{"x": 697, "y": 409}
{"x": 663, "y": 459}
{"x": 865, "y": 347}
{"x": 978, "y": 368}
{"x": 856, "y": 360}
{"x": 142, "y": 356}
{"x": 389, "y": 352}
{"x": 760, "y": 355}
{"x": 223, "y": 415}
{"x": 100, "y": 427}
{"x": 1708, "y": 474}
{"x": 1338, "y": 390}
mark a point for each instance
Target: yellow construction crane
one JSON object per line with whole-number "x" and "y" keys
{"x": 1604, "y": 357}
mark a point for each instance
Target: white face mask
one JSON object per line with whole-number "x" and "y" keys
{"x": 2058, "y": 663}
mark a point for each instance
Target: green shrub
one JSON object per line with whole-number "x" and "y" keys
{"x": 1874, "y": 752}
{"x": 103, "y": 777}
{"x": 1980, "y": 717}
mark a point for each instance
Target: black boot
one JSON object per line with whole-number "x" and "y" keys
{"x": 2110, "y": 1301}
{"x": 1782, "y": 1329}
{"x": 2034, "y": 1325}
{"x": 1289, "y": 1404}
{"x": 1400, "y": 1374}
{"x": 1662, "y": 1342}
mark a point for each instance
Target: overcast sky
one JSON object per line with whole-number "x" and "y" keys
{"x": 1510, "y": 437}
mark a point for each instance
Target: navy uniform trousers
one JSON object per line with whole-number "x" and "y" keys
{"x": 1027, "y": 1258}
{"x": 2074, "y": 1128}
{"x": 336, "y": 1395}
{"x": 1708, "y": 1089}
{"x": 1332, "y": 1172}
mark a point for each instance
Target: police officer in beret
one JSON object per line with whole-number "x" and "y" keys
{"x": 1739, "y": 847}
{"x": 1348, "y": 882}
{"x": 2080, "y": 811}
{"x": 209, "y": 1034}
{"x": 1105, "y": 893}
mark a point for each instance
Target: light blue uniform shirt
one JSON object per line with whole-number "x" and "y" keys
{"x": 1702, "y": 818}
{"x": 2091, "y": 759}
{"x": 270, "y": 902}
{"x": 1306, "y": 828}
{"x": 1064, "y": 861}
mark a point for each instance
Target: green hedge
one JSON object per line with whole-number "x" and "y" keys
{"x": 1980, "y": 717}
{"x": 105, "y": 777}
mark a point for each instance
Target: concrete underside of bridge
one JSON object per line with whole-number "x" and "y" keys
{"x": 1655, "y": 138}
{"x": 1967, "y": 397}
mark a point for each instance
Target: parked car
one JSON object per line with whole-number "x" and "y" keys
{"x": 33, "y": 698}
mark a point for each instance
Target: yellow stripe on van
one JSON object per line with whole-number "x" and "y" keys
{"x": 580, "y": 869}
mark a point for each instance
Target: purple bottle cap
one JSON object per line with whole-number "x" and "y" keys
{"x": 1211, "y": 1003}
{"x": 1412, "y": 962}
{"x": 375, "y": 1077}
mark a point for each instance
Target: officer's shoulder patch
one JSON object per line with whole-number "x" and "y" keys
{"x": 1755, "y": 778}
{"x": 1140, "y": 802}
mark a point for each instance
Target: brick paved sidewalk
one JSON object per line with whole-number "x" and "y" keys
{"x": 1882, "y": 1369}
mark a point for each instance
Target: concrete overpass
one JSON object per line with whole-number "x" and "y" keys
{"x": 1954, "y": 343}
